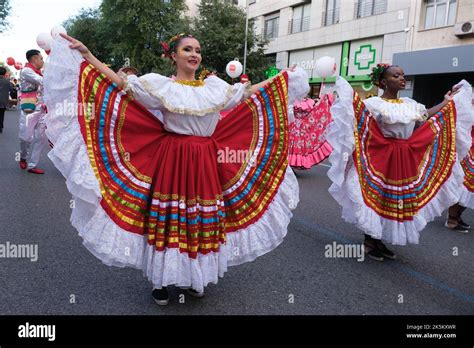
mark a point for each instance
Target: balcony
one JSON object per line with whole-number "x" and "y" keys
{"x": 366, "y": 8}
{"x": 330, "y": 17}
{"x": 298, "y": 25}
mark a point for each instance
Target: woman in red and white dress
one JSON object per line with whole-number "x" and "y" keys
{"x": 162, "y": 196}
{"x": 396, "y": 164}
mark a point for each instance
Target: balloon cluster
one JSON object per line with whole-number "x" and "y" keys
{"x": 44, "y": 40}
{"x": 11, "y": 62}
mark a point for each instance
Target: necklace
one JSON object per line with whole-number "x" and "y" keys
{"x": 195, "y": 83}
{"x": 192, "y": 83}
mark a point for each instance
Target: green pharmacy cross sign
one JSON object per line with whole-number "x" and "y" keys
{"x": 271, "y": 71}
{"x": 364, "y": 57}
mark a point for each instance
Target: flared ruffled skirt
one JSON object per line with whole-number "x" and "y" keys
{"x": 181, "y": 208}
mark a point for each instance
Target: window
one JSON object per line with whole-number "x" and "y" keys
{"x": 331, "y": 16}
{"x": 271, "y": 26}
{"x": 301, "y": 18}
{"x": 365, "y": 8}
{"x": 439, "y": 13}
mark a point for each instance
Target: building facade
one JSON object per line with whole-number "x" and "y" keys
{"x": 358, "y": 34}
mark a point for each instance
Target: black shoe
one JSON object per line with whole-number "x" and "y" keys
{"x": 371, "y": 250}
{"x": 456, "y": 227}
{"x": 161, "y": 296}
{"x": 375, "y": 254}
{"x": 195, "y": 293}
{"x": 463, "y": 224}
{"x": 1, "y": 131}
{"x": 385, "y": 251}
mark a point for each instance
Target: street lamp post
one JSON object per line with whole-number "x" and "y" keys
{"x": 246, "y": 34}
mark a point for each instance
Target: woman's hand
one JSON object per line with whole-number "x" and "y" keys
{"x": 77, "y": 45}
{"x": 449, "y": 96}
{"x": 103, "y": 68}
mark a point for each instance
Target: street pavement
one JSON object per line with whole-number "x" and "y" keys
{"x": 296, "y": 278}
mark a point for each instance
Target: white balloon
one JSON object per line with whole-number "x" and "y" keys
{"x": 325, "y": 66}
{"x": 44, "y": 41}
{"x": 57, "y": 30}
{"x": 234, "y": 69}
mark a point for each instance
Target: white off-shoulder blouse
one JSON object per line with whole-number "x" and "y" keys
{"x": 192, "y": 110}
{"x": 397, "y": 118}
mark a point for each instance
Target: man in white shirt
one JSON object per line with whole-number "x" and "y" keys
{"x": 33, "y": 140}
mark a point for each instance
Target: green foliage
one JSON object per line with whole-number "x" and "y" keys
{"x": 125, "y": 31}
{"x": 88, "y": 27}
{"x": 220, "y": 28}
{"x": 5, "y": 9}
{"x": 129, "y": 32}
{"x": 138, "y": 28}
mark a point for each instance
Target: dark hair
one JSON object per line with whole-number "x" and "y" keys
{"x": 378, "y": 73}
{"x": 31, "y": 53}
{"x": 3, "y": 71}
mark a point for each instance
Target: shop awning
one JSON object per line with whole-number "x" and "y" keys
{"x": 453, "y": 59}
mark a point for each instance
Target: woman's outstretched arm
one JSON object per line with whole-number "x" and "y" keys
{"x": 104, "y": 69}
{"x": 257, "y": 86}
{"x": 447, "y": 98}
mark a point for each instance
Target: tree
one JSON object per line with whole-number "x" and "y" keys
{"x": 125, "y": 32}
{"x": 138, "y": 30}
{"x": 220, "y": 28}
{"x": 88, "y": 27}
{"x": 122, "y": 31}
{"x": 5, "y": 9}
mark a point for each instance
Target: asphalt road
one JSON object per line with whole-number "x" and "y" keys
{"x": 296, "y": 278}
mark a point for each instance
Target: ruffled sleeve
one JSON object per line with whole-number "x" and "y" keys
{"x": 238, "y": 92}
{"x": 141, "y": 88}
{"x": 422, "y": 111}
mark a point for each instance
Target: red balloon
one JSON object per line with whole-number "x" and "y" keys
{"x": 17, "y": 66}
{"x": 10, "y": 61}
